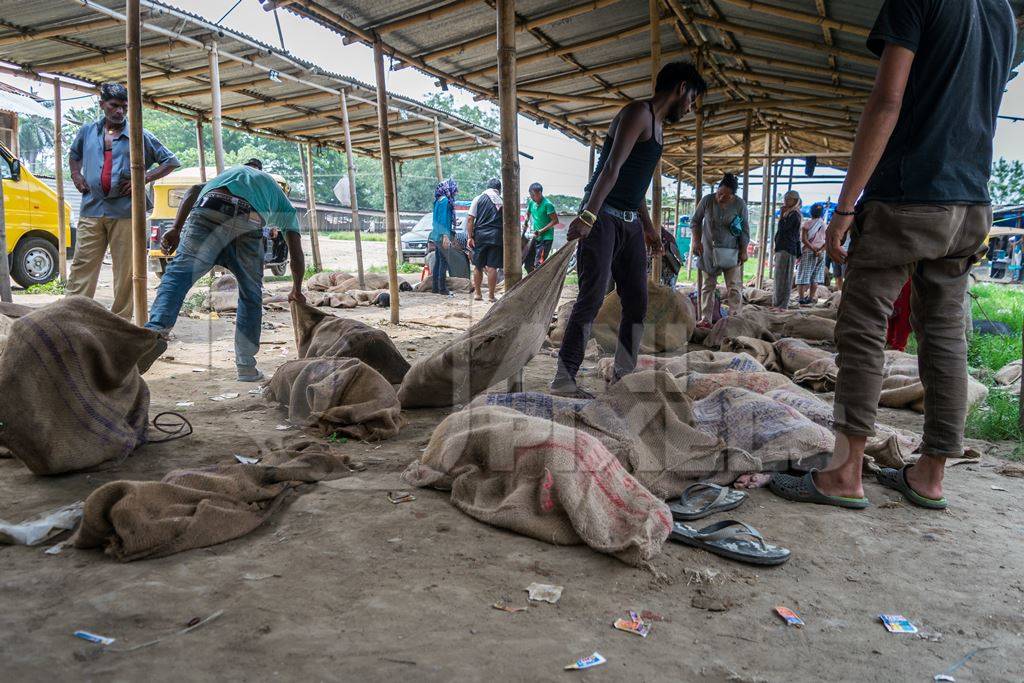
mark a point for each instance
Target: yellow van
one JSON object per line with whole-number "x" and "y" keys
{"x": 167, "y": 195}
{"x": 30, "y": 217}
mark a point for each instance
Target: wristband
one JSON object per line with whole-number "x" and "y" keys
{"x": 587, "y": 217}
{"x": 844, "y": 213}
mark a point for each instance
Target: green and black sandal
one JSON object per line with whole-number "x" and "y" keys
{"x": 897, "y": 480}
{"x": 803, "y": 490}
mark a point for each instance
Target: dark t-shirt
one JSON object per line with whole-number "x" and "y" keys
{"x": 941, "y": 148}
{"x": 787, "y": 236}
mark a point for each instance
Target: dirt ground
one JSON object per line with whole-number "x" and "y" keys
{"x": 342, "y": 584}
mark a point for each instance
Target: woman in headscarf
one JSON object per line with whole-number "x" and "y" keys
{"x": 811, "y": 271}
{"x": 787, "y": 248}
{"x": 721, "y": 234}
{"x": 441, "y": 234}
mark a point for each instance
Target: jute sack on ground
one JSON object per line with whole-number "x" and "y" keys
{"x": 72, "y": 394}
{"x": 668, "y": 326}
{"x": 5, "y": 330}
{"x": 321, "y": 282}
{"x": 902, "y": 387}
{"x": 347, "y": 284}
{"x": 812, "y": 328}
{"x": 694, "y": 361}
{"x": 332, "y": 299}
{"x": 454, "y": 284}
{"x": 320, "y": 334}
{"x": 753, "y": 295}
{"x": 732, "y": 326}
{"x": 807, "y": 365}
{"x": 760, "y": 350}
{"x": 1009, "y": 376}
{"x": 543, "y": 480}
{"x": 698, "y": 385}
{"x": 561, "y": 322}
{"x": 496, "y": 347}
{"x": 337, "y": 396}
{"x": 195, "y": 508}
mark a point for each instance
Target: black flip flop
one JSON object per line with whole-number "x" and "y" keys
{"x": 897, "y": 480}
{"x": 803, "y": 490}
{"x": 704, "y": 499}
{"x": 722, "y": 538}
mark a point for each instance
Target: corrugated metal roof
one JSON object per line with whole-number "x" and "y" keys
{"x": 802, "y": 66}
{"x": 299, "y": 100}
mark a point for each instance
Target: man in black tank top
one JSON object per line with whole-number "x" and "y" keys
{"x": 614, "y": 227}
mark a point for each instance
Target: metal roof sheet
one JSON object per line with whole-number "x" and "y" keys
{"x": 264, "y": 89}
{"x": 802, "y": 66}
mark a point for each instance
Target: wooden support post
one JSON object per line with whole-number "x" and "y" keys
{"x": 353, "y": 199}
{"x": 746, "y": 157}
{"x": 654, "y": 9}
{"x": 58, "y": 173}
{"x": 391, "y": 218}
{"x": 314, "y": 218}
{"x": 437, "y": 152}
{"x": 133, "y": 36}
{"x": 679, "y": 188}
{"x": 593, "y": 153}
{"x": 698, "y": 182}
{"x": 508, "y": 112}
{"x": 201, "y": 148}
{"x": 215, "y": 108}
{"x": 5, "y": 266}
{"x": 765, "y": 223}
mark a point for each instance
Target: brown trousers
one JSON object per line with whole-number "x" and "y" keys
{"x": 94, "y": 236}
{"x": 935, "y": 245}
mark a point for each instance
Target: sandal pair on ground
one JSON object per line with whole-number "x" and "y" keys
{"x": 802, "y": 489}
{"x": 729, "y": 538}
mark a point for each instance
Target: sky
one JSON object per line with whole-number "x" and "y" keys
{"x": 559, "y": 163}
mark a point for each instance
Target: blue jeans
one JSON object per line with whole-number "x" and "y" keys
{"x": 439, "y": 273}
{"x": 208, "y": 240}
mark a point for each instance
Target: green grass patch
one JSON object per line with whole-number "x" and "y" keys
{"x": 54, "y": 286}
{"x": 997, "y": 303}
{"x": 996, "y": 418}
{"x": 407, "y": 268}
{"x": 363, "y": 236}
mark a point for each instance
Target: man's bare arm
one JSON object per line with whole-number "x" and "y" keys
{"x": 630, "y": 127}
{"x": 297, "y": 264}
{"x": 76, "y": 175}
{"x": 877, "y": 123}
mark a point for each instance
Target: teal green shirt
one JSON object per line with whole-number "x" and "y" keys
{"x": 541, "y": 215}
{"x": 261, "y": 191}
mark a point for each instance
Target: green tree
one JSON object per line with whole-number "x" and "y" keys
{"x": 35, "y": 140}
{"x": 1007, "y": 183}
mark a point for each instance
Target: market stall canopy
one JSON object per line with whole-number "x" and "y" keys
{"x": 801, "y": 66}
{"x": 265, "y": 90}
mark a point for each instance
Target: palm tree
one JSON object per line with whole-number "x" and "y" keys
{"x": 35, "y": 136}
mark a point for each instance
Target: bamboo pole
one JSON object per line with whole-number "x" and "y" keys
{"x": 353, "y": 198}
{"x": 314, "y": 218}
{"x": 133, "y": 36}
{"x": 6, "y": 294}
{"x": 201, "y": 148}
{"x": 765, "y": 210}
{"x": 803, "y": 17}
{"x": 590, "y": 167}
{"x": 391, "y": 217}
{"x": 215, "y": 108}
{"x": 679, "y": 188}
{"x": 437, "y": 152}
{"x": 746, "y": 157}
{"x": 58, "y": 173}
{"x": 654, "y": 11}
{"x": 698, "y": 185}
{"x": 66, "y": 30}
{"x": 506, "y": 27}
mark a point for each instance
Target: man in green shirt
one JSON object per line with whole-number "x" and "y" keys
{"x": 542, "y": 214}
{"x": 221, "y": 223}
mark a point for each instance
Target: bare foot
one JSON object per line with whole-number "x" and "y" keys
{"x": 753, "y": 480}
{"x": 838, "y": 483}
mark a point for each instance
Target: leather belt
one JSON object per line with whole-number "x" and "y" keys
{"x": 628, "y": 216}
{"x": 229, "y": 205}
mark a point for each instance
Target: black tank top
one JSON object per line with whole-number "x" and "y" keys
{"x": 636, "y": 172}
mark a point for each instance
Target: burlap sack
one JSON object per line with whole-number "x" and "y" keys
{"x": 694, "y": 361}
{"x": 761, "y": 297}
{"x": 667, "y": 327}
{"x": 5, "y": 330}
{"x": 796, "y": 354}
{"x": 543, "y": 480}
{"x": 454, "y": 284}
{"x": 561, "y": 321}
{"x": 902, "y": 387}
{"x": 732, "y": 326}
{"x": 812, "y": 328}
{"x": 698, "y": 385}
{"x": 496, "y": 347}
{"x": 224, "y": 294}
{"x": 760, "y": 350}
{"x": 321, "y": 334}
{"x": 332, "y": 299}
{"x": 775, "y": 435}
{"x": 337, "y": 396}
{"x": 321, "y": 282}
{"x": 71, "y": 393}
{"x": 822, "y": 292}
{"x": 195, "y": 508}
{"x": 1009, "y": 376}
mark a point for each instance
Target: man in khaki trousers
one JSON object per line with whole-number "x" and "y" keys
{"x": 101, "y": 170}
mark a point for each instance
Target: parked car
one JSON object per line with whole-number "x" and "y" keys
{"x": 30, "y": 218}
{"x": 414, "y": 242}
{"x": 167, "y": 195}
